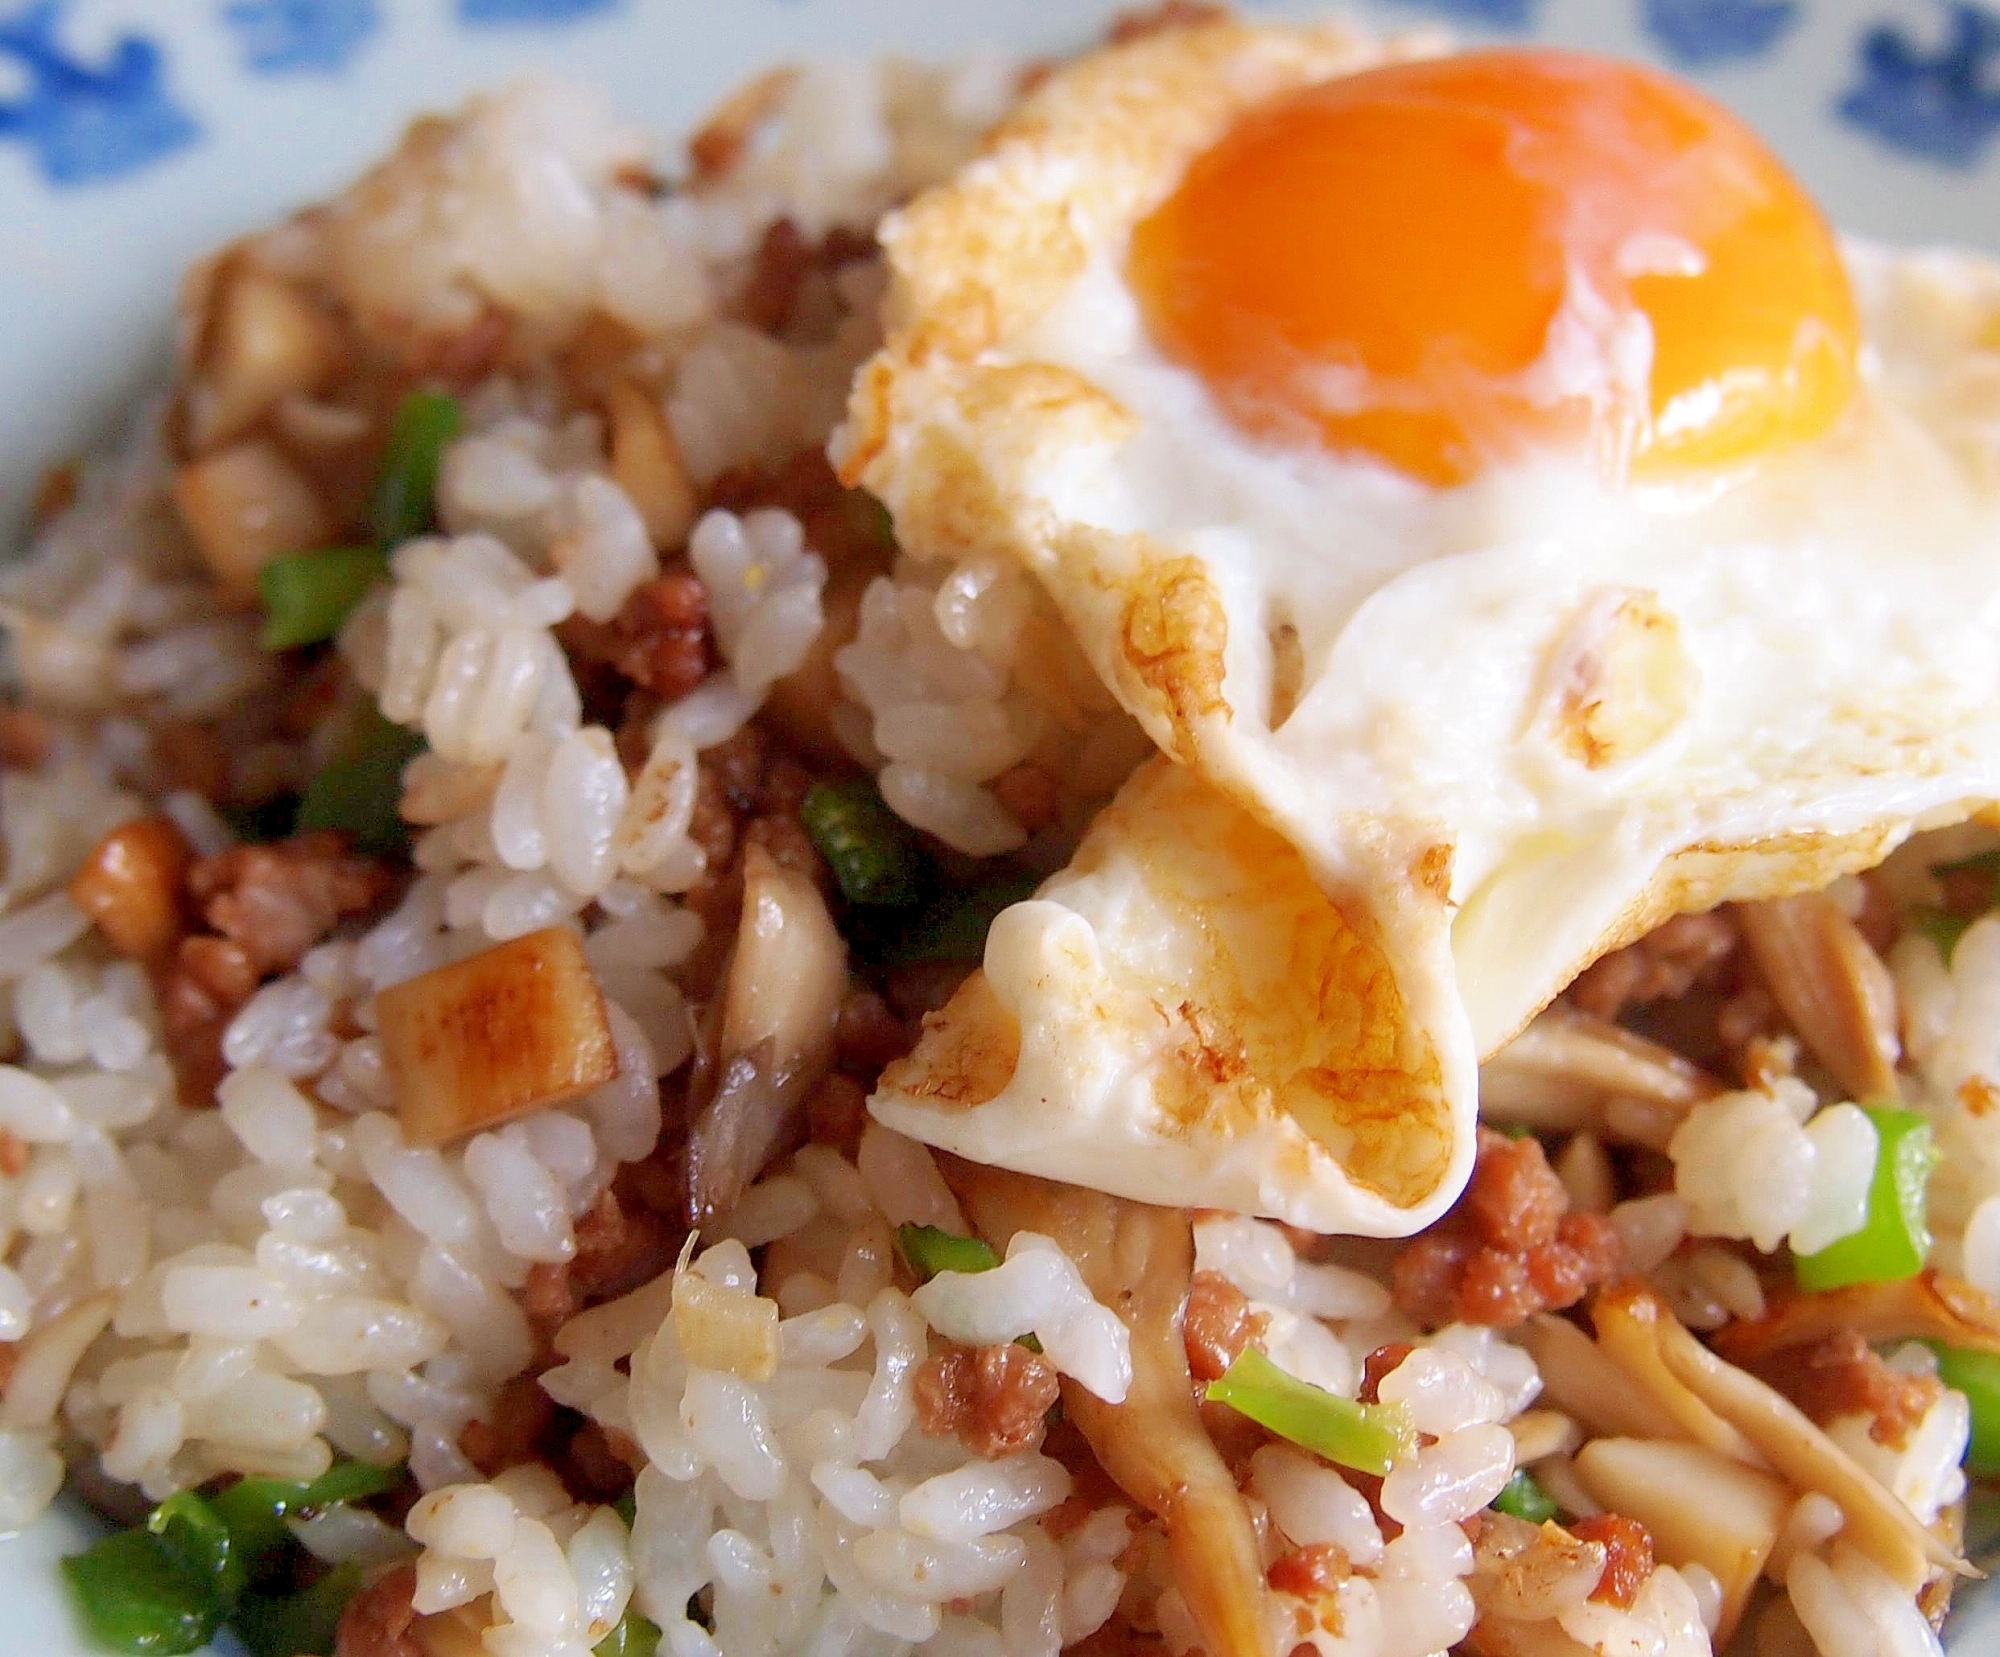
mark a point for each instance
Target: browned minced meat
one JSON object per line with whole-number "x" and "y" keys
{"x": 1030, "y": 794}
{"x": 601, "y": 1463}
{"x": 1310, "y": 1572}
{"x": 837, "y": 1112}
{"x": 1628, "y": 1556}
{"x": 1142, "y": 21}
{"x": 659, "y": 639}
{"x": 265, "y": 906}
{"x": 511, "y": 1432}
{"x": 1377, "y": 1365}
{"x": 844, "y": 526}
{"x": 1217, "y": 1325}
{"x": 992, "y": 1399}
{"x": 868, "y": 1034}
{"x": 10, "y": 1353}
{"x": 747, "y": 792}
{"x": 1509, "y": 1249}
{"x": 377, "y": 1621}
{"x": 1843, "y": 1375}
{"x": 619, "y": 1246}
{"x": 14, "y": 1153}
{"x": 784, "y": 259}
{"x": 25, "y": 738}
{"x": 1669, "y": 961}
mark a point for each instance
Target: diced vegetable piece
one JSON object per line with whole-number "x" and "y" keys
{"x": 255, "y": 1511}
{"x": 513, "y": 1028}
{"x": 873, "y": 853}
{"x": 1525, "y": 1499}
{"x": 130, "y": 885}
{"x": 1371, "y": 1438}
{"x": 1894, "y": 1239}
{"x": 930, "y": 1250}
{"x": 726, "y": 1328}
{"x": 196, "y": 1535}
{"x": 1702, "y": 1508}
{"x": 346, "y": 1481}
{"x": 954, "y": 928}
{"x": 307, "y": 595}
{"x": 137, "y": 1595}
{"x": 265, "y": 341}
{"x": 1941, "y": 926}
{"x": 634, "y": 1637}
{"x": 425, "y": 421}
{"x": 357, "y": 793}
{"x": 301, "y": 1624}
{"x": 244, "y": 506}
{"x": 646, "y": 463}
{"x": 1977, "y": 1375}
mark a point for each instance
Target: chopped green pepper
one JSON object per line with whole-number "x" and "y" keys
{"x": 954, "y": 928}
{"x": 1894, "y": 1239}
{"x": 358, "y": 792}
{"x": 873, "y": 853}
{"x": 1941, "y": 926}
{"x": 930, "y": 1250}
{"x": 1369, "y": 1437}
{"x": 138, "y": 1595}
{"x": 1977, "y": 1375}
{"x": 201, "y": 1539}
{"x": 301, "y": 1624}
{"x": 1525, "y": 1499}
{"x": 627, "y": 1507}
{"x": 633, "y": 1637}
{"x": 309, "y": 594}
{"x": 424, "y": 422}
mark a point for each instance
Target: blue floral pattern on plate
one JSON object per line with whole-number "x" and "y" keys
{"x": 285, "y": 36}
{"x": 86, "y": 122}
{"x": 532, "y": 11}
{"x": 1939, "y": 102}
{"x": 1698, "y": 34}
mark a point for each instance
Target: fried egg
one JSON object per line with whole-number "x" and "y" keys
{"x": 1514, "y": 516}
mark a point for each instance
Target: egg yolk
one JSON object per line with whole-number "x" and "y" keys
{"x": 1450, "y": 262}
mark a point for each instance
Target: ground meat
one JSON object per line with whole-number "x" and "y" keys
{"x": 836, "y": 1112}
{"x": 277, "y": 900}
{"x": 1669, "y": 961}
{"x": 1377, "y": 1365}
{"x": 25, "y": 738}
{"x": 1844, "y": 1375}
{"x": 785, "y": 838}
{"x": 14, "y": 1153}
{"x": 659, "y": 639}
{"x": 376, "y": 1622}
{"x": 1628, "y": 1556}
{"x": 844, "y": 526}
{"x": 10, "y": 1353}
{"x": 1509, "y": 1249}
{"x": 512, "y": 1431}
{"x": 868, "y": 1034}
{"x": 619, "y": 1246}
{"x": 202, "y": 986}
{"x": 1217, "y": 1325}
{"x": 1142, "y": 21}
{"x": 993, "y": 1399}
{"x": 1030, "y": 794}
{"x": 1311, "y": 1572}
{"x": 600, "y": 1464}
{"x": 784, "y": 258}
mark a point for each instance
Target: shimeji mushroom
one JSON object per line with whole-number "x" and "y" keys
{"x": 1558, "y": 1075}
{"x": 1831, "y": 985}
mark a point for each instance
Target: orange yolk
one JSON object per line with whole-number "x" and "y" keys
{"x": 1450, "y": 262}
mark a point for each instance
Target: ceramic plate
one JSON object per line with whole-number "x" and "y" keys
{"x": 135, "y": 134}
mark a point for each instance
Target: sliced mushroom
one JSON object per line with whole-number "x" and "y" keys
{"x": 265, "y": 340}
{"x": 1628, "y": 1323}
{"x": 1930, "y": 1306}
{"x": 245, "y": 505}
{"x": 1581, "y": 1379}
{"x": 1138, "y": 1261}
{"x": 1876, "y": 1522}
{"x": 1557, "y": 1075}
{"x": 769, "y": 1035}
{"x": 1830, "y": 984}
{"x": 1702, "y": 1508}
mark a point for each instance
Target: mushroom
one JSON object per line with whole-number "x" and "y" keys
{"x": 1628, "y": 1322}
{"x": 1930, "y": 1306}
{"x": 1557, "y": 1075}
{"x": 245, "y": 505}
{"x": 1830, "y": 984}
{"x": 768, "y": 1037}
{"x": 1580, "y": 1378}
{"x": 1876, "y": 1522}
{"x": 1138, "y": 1261}
{"x": 1701, "y": 1508}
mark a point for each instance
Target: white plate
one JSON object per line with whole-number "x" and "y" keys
{"x": 134, "y": 134}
